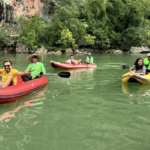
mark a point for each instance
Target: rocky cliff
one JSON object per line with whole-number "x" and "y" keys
{"x": 10, "y": 9}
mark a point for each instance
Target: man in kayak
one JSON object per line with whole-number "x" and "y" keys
{"x": 89, "y": 59}
{"x": 9, "y": 75}
{"x": 147, "y": 61}
{"x": 35, "y": 65}
{"x": 73, "y": 61}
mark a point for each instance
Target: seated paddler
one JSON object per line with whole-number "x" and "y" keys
{"x": 9, "y": 75}
{"x": 138, "y": 68}
{"x": 73, "y": 61}
{"x": 147, "y": 61}
{"x": 89, "y": 59}
{"x": 36, "y": 66}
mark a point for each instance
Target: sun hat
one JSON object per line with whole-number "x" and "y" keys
{"x": 89, "y": 53}
{"x": 148, "y": 54}
{"x": 29, "y": 58}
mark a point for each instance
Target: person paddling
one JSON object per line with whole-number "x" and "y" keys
{"x": 147, "y": 61}
{"x": 89, "y": 59}
{"x": 35, "y": 65}
{"x": 139, "y": 68}
{"x": 73, "y": 61}
{"x": 9, "y": 75}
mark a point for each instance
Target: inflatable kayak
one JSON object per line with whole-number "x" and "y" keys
{"x": 136, "y": 78}
{"x": 12, "y": 93}
{"x": 71, "y": 66}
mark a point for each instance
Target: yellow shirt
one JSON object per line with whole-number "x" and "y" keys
{"x": 5, "y": 75}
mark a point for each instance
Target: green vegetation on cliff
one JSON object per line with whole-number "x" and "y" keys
{"x": 98, "y": 23}
{"x": 4, "y": 34}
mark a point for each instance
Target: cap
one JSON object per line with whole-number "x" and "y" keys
{"x": 148, "y": 54}
{"x": 89, "y": 53}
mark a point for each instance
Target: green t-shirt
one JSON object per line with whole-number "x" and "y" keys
{"x": 89, "y": 59}
{"x": 146, "y": 63}
{"x": 39, "y": 67}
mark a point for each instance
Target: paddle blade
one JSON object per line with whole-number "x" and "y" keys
{"x": 64, "y": 74}
{"x": 147, "y": 71}
{"x": 125, "y": 67}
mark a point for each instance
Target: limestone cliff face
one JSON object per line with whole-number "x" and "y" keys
{"x": 9, "y": 9}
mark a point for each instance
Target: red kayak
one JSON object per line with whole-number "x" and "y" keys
{"x": 12, "y": 93}
{"x": 71, "y": 66}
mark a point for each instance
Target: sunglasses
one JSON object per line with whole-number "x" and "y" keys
{"x": 7, "y": 66}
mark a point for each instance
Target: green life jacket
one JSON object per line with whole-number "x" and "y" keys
{"x": 146, "y": 63}
{"x": 89, "y": 59}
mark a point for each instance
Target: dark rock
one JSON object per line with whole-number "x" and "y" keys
{"x": 11, "y": 50}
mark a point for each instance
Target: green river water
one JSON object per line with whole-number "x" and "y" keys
{"x": 92, "y": 110}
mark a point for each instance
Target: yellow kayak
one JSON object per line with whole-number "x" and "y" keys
{"x": 136, "y": 78}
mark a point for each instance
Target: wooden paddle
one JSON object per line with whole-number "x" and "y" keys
{"x": 61, "y": 74}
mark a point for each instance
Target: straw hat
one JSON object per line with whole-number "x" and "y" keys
{"x": 29, "y": 58}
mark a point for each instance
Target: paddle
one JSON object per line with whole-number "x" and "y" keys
{"x": 61, "y": 74}
{"x": 125, "y": 67}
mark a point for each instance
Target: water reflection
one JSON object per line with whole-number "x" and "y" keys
{"x": 138, "y": 93}
{"x": 88, "y": 71}
{"x": 23, "y": 114}
{"x": 81, "y": 76}
{"x": 13, "y": 108}
{"x": 132, "y": 88}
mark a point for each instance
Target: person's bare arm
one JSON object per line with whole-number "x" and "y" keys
{"x": 132, "y": 72}
{"x": 73, "y": 61}
{"x": 24, "y": 73}
{"x": 139, "y": 74}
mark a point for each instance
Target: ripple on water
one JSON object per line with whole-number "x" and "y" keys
{"x": 91, "y": 110}
{"x": 23, "y": 115}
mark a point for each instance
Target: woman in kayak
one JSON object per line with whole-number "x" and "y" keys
{"x": 73, "y": 61}
{"x": 139, "y": 68}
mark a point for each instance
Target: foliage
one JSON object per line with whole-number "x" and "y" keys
{"x": 66, "y": 39}
{"x": 118, "y": 23}
{"x": 57, "y": 48}
{"x": 29, "y": 40}
{"x": 4, "y": 34}
{"x": 101, "y": 23}
{"x": 89, "y": 40}
{"x": 50, "y": 6}
{"x": 38, "y": 25}
{"x": 67, "y": 17}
